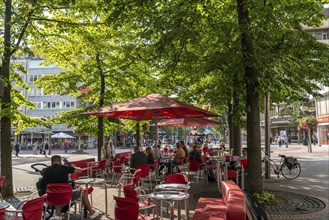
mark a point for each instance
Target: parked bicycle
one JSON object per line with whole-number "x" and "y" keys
{"x": 289, "y": 167}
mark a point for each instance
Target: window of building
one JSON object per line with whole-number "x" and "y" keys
{"x": 33, "y": 78}
{"x": 38, "y": 105}
{"x": 51, "y": 105}
{"x": 67, "y": 105}
{"x": 36, "y": 92}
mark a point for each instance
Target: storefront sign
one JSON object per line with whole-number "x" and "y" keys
{"x": 323, "y": 119}
{"x": 276, "y": 121}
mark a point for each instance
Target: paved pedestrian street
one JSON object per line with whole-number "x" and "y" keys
{"x": 303, "y": 198}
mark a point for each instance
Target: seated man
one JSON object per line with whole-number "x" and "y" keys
{"x": 137, "y": 158}
{"x": 58, "y": 173}
{"x": 244, "y": 156}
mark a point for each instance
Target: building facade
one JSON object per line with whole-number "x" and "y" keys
{"x": 322, "y": 104}
{"x": 47, "y": 105}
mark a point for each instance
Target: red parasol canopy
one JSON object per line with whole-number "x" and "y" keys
{"x": 150, "y": 107}
{"x": 187, "y": 122}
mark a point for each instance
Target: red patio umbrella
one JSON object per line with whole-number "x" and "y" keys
{"x": 151, "y": 107}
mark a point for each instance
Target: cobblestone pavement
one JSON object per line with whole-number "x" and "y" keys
{"x": 303, "y": 198}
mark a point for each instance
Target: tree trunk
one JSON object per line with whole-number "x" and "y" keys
{"x": 100, "y": 126}
{"x": 253, "y": 113}
{"x": 230, "y": 125}
{"x": 236, "y": 123}
{"x": 6, "y": 162}
{"x": 309, "y": 140}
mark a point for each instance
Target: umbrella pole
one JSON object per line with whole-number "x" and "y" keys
{"x": 156, "y": 139}
{"x": 185, "y": 137}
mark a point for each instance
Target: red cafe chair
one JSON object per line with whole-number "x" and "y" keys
{"x": 176, "y": 178}
{"x": 205, "y": 150}
{"x": 101, "y": 168}
{"x": 31, "y": 210}
{"x": 126, "y": 208}
{"x": 145, "y": 174}
{"x": 116, "y": 168}
{"x": 234, "y": 174}
{"x": 143, "y": 200}
{"x": 195, "y": 166}
{"x": 60, "y": 194}
{"x": 2, "y": 213}
{"x": 133, "y": 178}
{"x": 2, "y": 178}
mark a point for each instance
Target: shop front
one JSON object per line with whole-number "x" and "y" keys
{"x": 323, "y": 129}
{"x": 282, "y": 125}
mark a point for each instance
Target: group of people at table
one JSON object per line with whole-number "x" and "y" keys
{"x": 59, "y": 173}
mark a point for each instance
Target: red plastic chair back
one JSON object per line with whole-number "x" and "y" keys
{"x": 204, "y": 158}
{"x": 117, "y": 168}
{"x": 59, "y": 194}
{"x": 176, "y": 178}
{"x": 244, "y": 163}
{"x": 2, "y": 213}
{"x": 137, "y": 176}
{"x": 130, "y": 192}
{"x": 205, "y": 150}
{"x": 145, "y": 168}
{"x": 194, "y": 165}
{"x": 74, "y": 176}
{"x": 231, "y": 174}
{"x": 126, "y": 208}
{"x": 33, "y": 209}
{"x": 2, "y": 178}
{"x": 102, "y": 164}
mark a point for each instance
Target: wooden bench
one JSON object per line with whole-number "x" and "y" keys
{"x": 231, "y": 206}
{"x": 84, "y": 165}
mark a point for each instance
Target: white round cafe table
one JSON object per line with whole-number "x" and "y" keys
{"x": 172, "y": 187}
{"x": 171, "y": 197}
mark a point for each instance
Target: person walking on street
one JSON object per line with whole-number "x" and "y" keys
{"x": 45, "y": 148}
{"x": 66, "y": 146}
{"x": 16, "y": 149}
{"x": 286, "y": 141}
{"x": 35, "y": 148}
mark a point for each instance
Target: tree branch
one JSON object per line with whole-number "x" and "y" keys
{"x": 22, "y": 32}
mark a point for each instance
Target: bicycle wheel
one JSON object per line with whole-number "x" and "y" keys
{"x": 291, "y": 173}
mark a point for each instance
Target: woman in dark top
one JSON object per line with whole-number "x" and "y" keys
{"x": 195, "y": 155}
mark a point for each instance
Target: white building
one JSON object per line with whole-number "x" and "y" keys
{"x": 47, "y": 106}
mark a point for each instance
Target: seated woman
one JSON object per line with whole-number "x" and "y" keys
{"x": 176, "y": 160}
